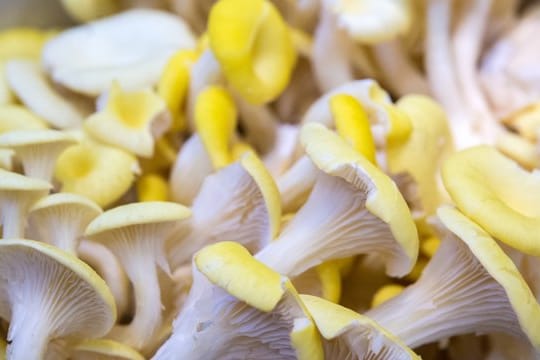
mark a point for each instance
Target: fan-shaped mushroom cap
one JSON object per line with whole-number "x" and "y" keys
{"x": 238, "y": 203}
{"x": 17, "y": 117}
{"x": 60, "y": 219}
{"x": 132, "y": 48}
{"x": 48, "y": 294}
{"x": 254, "y": 47}
{"x": 469, "y": 286}
{"x": 31, "y": 86}
{"x": 240, "y": 308}
{"x": 488, "y": 187}
{"x": 99, "y": 172}
{"x": 130, "y": 120}
{"x": 104, "y": 349}
{"x": 136, "y": 234}
{"x": 351, "y": 335}
{"x": 353, "y": 208}
{"x": 430, "y": 140}
{"x": 37, "y": 149}
{"x": 17, "y": 194}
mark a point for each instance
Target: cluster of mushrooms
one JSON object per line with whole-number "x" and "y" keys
{"x": 256, "y": 179}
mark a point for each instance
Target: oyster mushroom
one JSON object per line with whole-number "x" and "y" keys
{"x": 49, "y": 294}
{"x": 136, "y": 233}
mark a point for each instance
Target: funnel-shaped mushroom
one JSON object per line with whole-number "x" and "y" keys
{"x": 47, "y": 294}
{"x": 31, "y": 86}
{"x": 349, "y": 335}
{"x": 17, "y": 194}
{"x": 353, "y": 208}
{"x": 469, "y": 286}
{"x": 488, "y": 187}
{"x": 37, "y": 149}
{"x": 253, "y": 44}
{"x": 239, "y": 203}
{"x": 238, "y": 308}
{"x": 136, "y": 234}
{"x": 60, "y": 219}
{"x": 130, "y": 120}
{"x": 132, "y": 48}
{"x": 99, "y": 172}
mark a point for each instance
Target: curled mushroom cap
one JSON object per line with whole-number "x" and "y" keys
{"x": 136, "y": 233}
{"x": 37, "y": 149}
{"x": 48, "y": 294}
{"x": 60, "y": 219}
{"x": 17, "y": 194}
{"x": 28, "y": 81}
{"x": 254, "y": 47}
{"x": 239, "y": 203}
{"x": 469, "y": 286}
{"x": 353, "y": 208}
{"x": 348, "y": 334}
{"x": 97, "y": 171}
{"x": 239, "y": 308}
{"x": 129, "y": 120}
{"x": 488, "y": 187}
{"x": 132, "y": 48}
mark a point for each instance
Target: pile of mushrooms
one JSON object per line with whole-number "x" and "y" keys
{"x": 271, "y": 179}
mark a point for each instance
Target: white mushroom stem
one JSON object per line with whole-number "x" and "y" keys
{"x": 455, "y": 295}
{"x": 442, "y": 73}
{"x": 39, "y": 163}
{"x": 28, "y": 337}
{"x": 330, "y": 60}
{"x": 13, "y": 217}
{"x": 140, "y": 252}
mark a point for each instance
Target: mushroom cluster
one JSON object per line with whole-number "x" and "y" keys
{"x": 272, "y": 179}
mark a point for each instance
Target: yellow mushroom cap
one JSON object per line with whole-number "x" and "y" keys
{"x": 254, "y": 47}
{"x": 106, "y": 349}
{"x": 337, "y": 322}
{"x": 385, "y": 293}
{"x": 87, "y": 10}
{"x": 497, "y": 194}
{"x": 129, "y": 120}
{"x": 23, "y": 43}
{"x": 100, "y": 172}
{"x": 17, "y": 117}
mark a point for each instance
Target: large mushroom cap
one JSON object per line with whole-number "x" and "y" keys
{"x": 132, "y": 48}
{"x": 497, "y": 194}
{"x": 47, "y": 294}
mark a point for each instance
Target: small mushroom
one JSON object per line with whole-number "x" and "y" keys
{"x": 38, "y": 150}
{"x": 240, "y": 308}
{"x": 469, "y": 286}
{"x": 17, "y": 194}
{"x": 136, "y": 234}
{"x": 49, "y": 294}
{"x": 349, "y": 335}
{"x": 60, "y": 219}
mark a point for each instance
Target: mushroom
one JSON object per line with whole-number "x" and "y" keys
{"x": 88, "y": 58}
{"x": 60, "y": 219}
{"x": 240, "y": 308}
{"x": 30, "y": 85}
{"x": 349, "y": 335}
{"x": 130, "y": 120}
{"x": 239, "y": 202}
{"x": 487, "y": 186}
{"x": 49, "y": 294}
{"x": 17, "y": 194}
{"x": 17, "y": 117}
{"x": 254, "y": 47}
{"x": 84, "y": 11}
{"x": 97, "y": 171}
{"x": 363, "y": 212}
{"x": 38, "y": 150}
{"x": 6, "y": 159}
{"x": 469, "y": 285}
{"x": 136, "y": 233}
